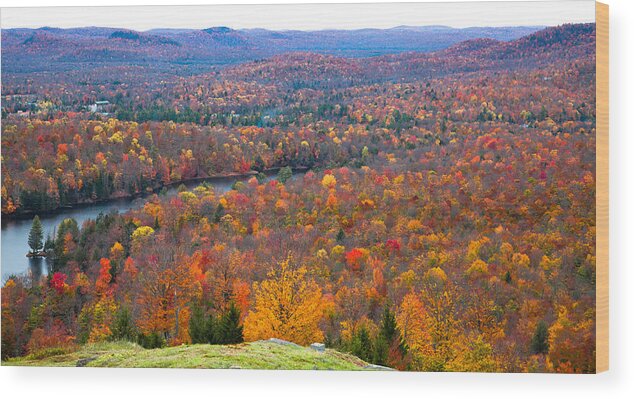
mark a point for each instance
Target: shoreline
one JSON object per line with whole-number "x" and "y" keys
{"x": 21, "y": 215}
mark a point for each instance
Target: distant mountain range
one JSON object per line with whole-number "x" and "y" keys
{"x": 571, "y": 44}
{"x": 55, "y": 49}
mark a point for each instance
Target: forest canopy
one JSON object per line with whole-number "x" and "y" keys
{"x": 432, "y": 211}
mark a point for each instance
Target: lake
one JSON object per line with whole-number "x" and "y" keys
{"x": 15, "y": 231}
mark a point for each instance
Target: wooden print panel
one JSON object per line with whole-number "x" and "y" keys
{"x": 602, "y": 234}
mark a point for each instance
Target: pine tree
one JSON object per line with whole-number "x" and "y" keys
{"x": 380, "y": 350}
{"x": 389, "y": 330}
{"x": 389, "y": 340}
{"x": 220, "y": 211}
{"x": 152, "y": 341}
{"x": 361, "y": 345}
{"x": 36, "y": 235}
{"x": 539, "y": 342}
{"x": 49, "y": 244}
{"x": 229, "y": 327}
{"x": 258, "y": 163}
{"x": 211, "y": 329}
{"x": 123, "y": 327}
{"x": 198, "y": 325}
{"x": 61, "y": 257}
{"x": 284, "y": 174}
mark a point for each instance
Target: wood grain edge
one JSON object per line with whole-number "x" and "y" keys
{"x": 602, "y": 188}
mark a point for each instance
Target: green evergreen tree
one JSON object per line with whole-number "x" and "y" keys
{"x": 152, "y": 341}
{"x": 229, "y": 328}
{"x": 123, "y": 326}
{"x": 36, "y": 235}
{"x": 340, "y": 235}
{"x": 261, "y": 177}
{"x": 211, "y": 328}
{"x": 389, "y": 329}
{"x": 361, "y": 345}
{"x": 60, "y": 258}
{"x": 198, "y": 326}
{"x": 380, "y": 351}
{"x": 539, "y": 342}
{"x": 284, "y": 174}
{"x": 49, "y": 244}
{"x": 543, "y": 113}
{"x": 389, "y": 337}
{"x": 220, "y": 211}
{"x": 68, "y": 225}
{"x": 258, "y": 163}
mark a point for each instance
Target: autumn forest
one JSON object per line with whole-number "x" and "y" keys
{"x": 421, "y": 210}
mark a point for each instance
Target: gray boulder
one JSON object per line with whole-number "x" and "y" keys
{"x": 319, "y": 347}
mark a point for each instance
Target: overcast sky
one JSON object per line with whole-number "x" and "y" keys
{"x": 306, "y": 16}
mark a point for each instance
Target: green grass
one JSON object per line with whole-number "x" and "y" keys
{"x": 255, "y": 355}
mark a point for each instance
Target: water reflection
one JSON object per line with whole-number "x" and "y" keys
{"x": 36, "y": 268}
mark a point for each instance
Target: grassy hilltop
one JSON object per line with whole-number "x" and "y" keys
{"x": 254, "y": 355}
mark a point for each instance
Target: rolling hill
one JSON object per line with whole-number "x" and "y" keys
{"x": 269, "y": 355}
{"x": 54, "y": 49}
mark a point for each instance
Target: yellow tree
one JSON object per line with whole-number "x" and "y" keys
{"x": 439, "y": 299}
{"x": 571, "y": 340}
{"x": 474, "y": 354}
{"x": 287, "y": 306}
{"x": 413, "y": 321}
